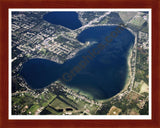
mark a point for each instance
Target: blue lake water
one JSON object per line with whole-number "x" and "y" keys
{"x": 66, "y": 19}
{"x": 104, "y": 75}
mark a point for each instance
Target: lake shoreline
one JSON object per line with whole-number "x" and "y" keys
{"x": 125, "y": 87}
{"x": 100, "y": 89}
{"x": 128, "y": 79}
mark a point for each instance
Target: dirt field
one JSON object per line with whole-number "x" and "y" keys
{"x": 144, "y": 87}
{"x": 114, "y": 111}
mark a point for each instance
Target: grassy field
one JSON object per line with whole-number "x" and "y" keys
{"x": 138, "y": 21}
{"x": 53, "y": 112}
{"x": 58, "y": 104}
{"x": 126, "y": 16}
{"x": 33, "y": 108}
{"x": 104, "y": 21}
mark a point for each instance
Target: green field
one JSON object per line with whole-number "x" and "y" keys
{"x": 58, "y": 104}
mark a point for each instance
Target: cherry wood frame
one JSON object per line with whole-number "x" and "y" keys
{"x": 6, "y": 4}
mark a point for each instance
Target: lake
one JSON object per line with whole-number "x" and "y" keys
{"x": 66, "y": 19}
{"x": 103, "y": 77}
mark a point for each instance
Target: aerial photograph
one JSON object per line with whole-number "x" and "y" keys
{"x": 79, "y": 62}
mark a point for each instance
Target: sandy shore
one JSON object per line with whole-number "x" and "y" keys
{"x": 129, "y": 74}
